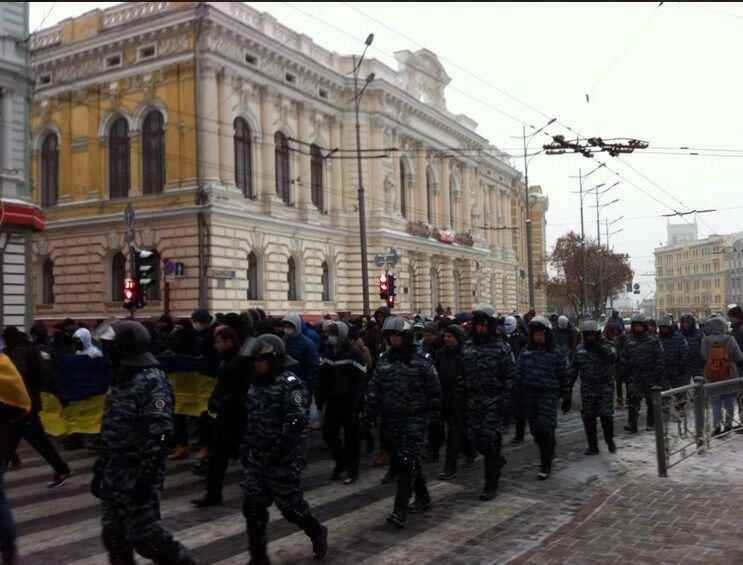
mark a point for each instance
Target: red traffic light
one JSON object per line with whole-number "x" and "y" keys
{"x": 130, "y": 291}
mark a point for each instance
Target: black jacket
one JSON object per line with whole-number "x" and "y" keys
{"x": 228, "y": 400}
{"x": 343, "y": 378}
{"x": 29, "y": 364}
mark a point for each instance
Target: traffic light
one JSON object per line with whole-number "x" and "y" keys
{"x": 144, "y": 270}
{"x": 391, "y": 286}
{"x": 384, "y": 289}
{"x": 130, "y": 293}
{"x": 629, "y": 287}
{"x": 391, "y": 301}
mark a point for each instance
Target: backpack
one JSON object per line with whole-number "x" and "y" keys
{"x": 717, "y": 366}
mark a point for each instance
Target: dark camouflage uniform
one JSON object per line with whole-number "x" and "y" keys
{"x": 596, "y": 367}
{"x": 138, "y": 416}
{"x": 642, "y": 366}
{"x": 406, "y": 391}
{"x": 274, "y": 451}
{"x": 675, "y": 353}
{"x": 694, "y": 362}
{"x": 543, "y": 376}
{"x": 489, "y": 373}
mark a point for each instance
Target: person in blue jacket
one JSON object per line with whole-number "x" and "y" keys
{"x": 302, "y": 349}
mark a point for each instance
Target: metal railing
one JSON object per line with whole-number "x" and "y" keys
{"x": 676, "y": 438}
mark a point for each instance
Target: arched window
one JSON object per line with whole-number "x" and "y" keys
{"x": 403, "y": 191}
{"x": 282, "y": 167}
{"x": 452, "y": 203}
{"x": 47, "y": 282}
{"x": 153, "y": 291}
{"x": 50, "y": 170}
{"x": 153, "y": 153}
{"x": 118, "y": 274}
{"x": 118, "y": 159}
{"x": 254, "y": 290}
{"x": 243, "y": 158}
{"x": 326, "y": 297}
{"x": 292, "y": 279}
{"x": 429, "y": 196}
{"x": 316, "y": 162}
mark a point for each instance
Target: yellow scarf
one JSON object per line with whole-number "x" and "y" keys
{"x": 12, "y": 388}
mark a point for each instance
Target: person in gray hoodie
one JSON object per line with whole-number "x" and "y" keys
{"x": 717, "y": 333}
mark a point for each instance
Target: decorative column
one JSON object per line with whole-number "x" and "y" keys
{"x": 423, "y": 283}
{"x": 376, "y": 193}
{"x": 208, "y": 124}
{"x": 226, "y": 131}
{"x": 444, "y": 219}
{"x": 7, "y": 128}
{"x": 466, "y": 205}
{"x": 268, "y": 156}
{"x": 419, "y": 201}
{"x": 305, "y": 175}
{"x": 493, "y": 195}
{"x": 446, "y": 288}
{"x": 336, "y": 172}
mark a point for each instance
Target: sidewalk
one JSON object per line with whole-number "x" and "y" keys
{"x": 693, "y": 516}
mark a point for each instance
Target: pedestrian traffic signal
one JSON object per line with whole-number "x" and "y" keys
{"x": 144, "y": 270}
{"x": 130, "y": 293}
{"x": 391, "y": 301}
{"x": 384, "y": 289}
{"x": 391, "y": 286}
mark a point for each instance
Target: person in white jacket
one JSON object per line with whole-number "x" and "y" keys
{"x": 84, "y": 344}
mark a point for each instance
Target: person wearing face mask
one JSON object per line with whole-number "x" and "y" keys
{"x": 84, "y": 344}
{"x": 340, "y": 390}
{"x": 544, "y": 376}
{"x": 485, "y": 389}
{"x": 405, "y": 390}
{"x": 566, "y": 338}
{"x": 642, "y": 367}
{"x": 275, "y": 448}
{"x": 595, "y": 363}
{"x": 302, "y": 349}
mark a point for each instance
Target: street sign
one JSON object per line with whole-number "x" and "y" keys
{"x": 180, "y": 269}
{"x": 169, "y": 268}
{"x": 390, "y": 259}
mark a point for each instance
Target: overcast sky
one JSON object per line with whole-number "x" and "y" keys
{"x": 667, "y": 75}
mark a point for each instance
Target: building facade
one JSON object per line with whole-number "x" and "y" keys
{"x": 19, "y": 218}
{"x": 734, "y": 278}
{"x": 691, "y": 273}
{"x": 233, "y": 137}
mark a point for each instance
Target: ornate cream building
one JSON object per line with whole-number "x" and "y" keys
{"x": 233, "y": 137}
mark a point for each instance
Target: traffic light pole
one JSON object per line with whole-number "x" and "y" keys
{"x": 133, "y": 273}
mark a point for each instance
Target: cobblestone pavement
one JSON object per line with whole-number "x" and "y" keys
{"x": 613, "y": 503}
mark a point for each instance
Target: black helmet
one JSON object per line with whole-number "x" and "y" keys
{"x": 396, "y": 324}
{"x": 484, "y": 314}
{"x": 271, "y": 347}
{"x": 589, "y": 326}
{"x": 128, "y": 344}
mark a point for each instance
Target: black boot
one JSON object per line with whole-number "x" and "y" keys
{"x": 407, "y": 466}
{"x": 546, "y": 442}
{"x": 430, "y": 456}
{"x": 209, "y": 499}
{"x": 589, "y": 424}
{"x": 119, "y": 550}
{"x": 165, "y": 551}
{"x": 607, "y": 425}
{"x": 311, "y": 526}
{"x": 257, "y": 520}
{"x": 397, "y": 517}
{"x": 337, "y": 472}
{"x": 492, "y": 477}
{"x": 422, "y": 497}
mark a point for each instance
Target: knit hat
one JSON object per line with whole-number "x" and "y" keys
{"x": 736, "y": 312}
{"x": 202, "y": 316}
{"x": 664, "y": 321}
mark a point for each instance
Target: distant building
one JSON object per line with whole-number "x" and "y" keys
{"x": 734, "y": 278}
{"x": 19, "y": 218}
{"x": 691, "y": 273}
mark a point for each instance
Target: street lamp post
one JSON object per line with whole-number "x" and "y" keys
{"x": 608, "y": 225}
{"x": 362, "y": 198}
{"x": 529, "y": 251}
{"x": 599, "y": 207}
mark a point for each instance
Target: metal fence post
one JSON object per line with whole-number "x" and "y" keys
{"x": 660, "y": 436}
{"x": 699, "y": 410}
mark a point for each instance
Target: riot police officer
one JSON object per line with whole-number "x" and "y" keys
{"x": 642, "y": 367}
{"x": 488, "y": 371}
{"x": 135, "y": 439}
{"x": 275, "y": 448}
{"x": 405, "y": 390}
{"x": 544, "y": 377}
{"x": 595, "y": 363}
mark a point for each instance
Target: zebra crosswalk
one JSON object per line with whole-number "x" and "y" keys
{"x": 62, "y": 525}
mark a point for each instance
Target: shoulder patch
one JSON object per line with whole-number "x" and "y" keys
{"x": 291, "y": 378}
{"x": 160, "y": 403}
{"x": 297, "y": 399}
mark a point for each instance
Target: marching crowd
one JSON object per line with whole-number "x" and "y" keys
{"x": 457, "y": 382}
